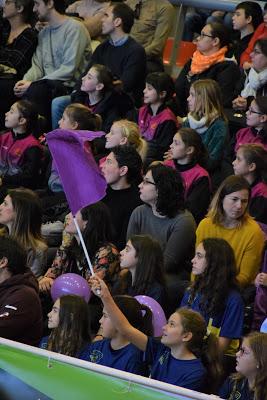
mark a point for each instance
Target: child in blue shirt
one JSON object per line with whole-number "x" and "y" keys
{"x": 115, "y": 350}
{"x": 214, "y": 292}
{"x": 69, "y": 323}
{"x": 180, "y": 356}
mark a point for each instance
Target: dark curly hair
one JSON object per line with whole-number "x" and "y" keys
{"x": 170, "y": 190}
{"x": 218, "y": 279}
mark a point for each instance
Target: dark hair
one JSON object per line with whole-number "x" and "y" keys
{"x": 255, "y": 153}
{"x": 84, "y": 117}
{"x": 73, "y": 330}
{"x": 252, "y": 9}
{"x": 27, "y": 13}
{"x": 128, "y": 156}
{"x": 170, "y": 190}
{"x": 261, "y": 102}
{"x": 29, "y": 111}
{"x": 202, "y": 345}
{"x": 191, "y": 138}
{"x": 150, "y": 264}
{"x": 59, "y": 5}
{"x": 219, "y": 31}
{"x": 161, "y": 82}
{"x": 138, "y": 315}
{"x": 218, "y": 278}
{"x": 262, "y": 44}
{"x": 231, "y": 184}
{"x": 104, "y": 76}
{"x": 125, "y": 13}
{"x": 15, "y": 254}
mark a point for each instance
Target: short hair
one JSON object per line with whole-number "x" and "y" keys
{"x": 59, "y": 5}
{"x": 128, "y": 156}
{"x": 231, "y": 184}
{"x": 252, "y": 9}
{"x": 15, "y": 254}
{"x": 219, "y": 31}
{"x": 125, "y": 13}
{"x": 170, "y": 190}
{"x": 262, "y": 44}
{"x": 161, "y": 82}
{"x": 104, "y": 76}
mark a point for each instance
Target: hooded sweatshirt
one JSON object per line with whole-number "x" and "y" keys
{"x": 20, "y": 309}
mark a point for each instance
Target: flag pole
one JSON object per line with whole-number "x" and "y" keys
{"x": 83, "y": 246}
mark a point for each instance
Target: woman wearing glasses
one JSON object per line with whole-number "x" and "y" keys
{"x": 209, "y": 62}
{"x": 250, "y": 380}
{"x": 163, "y": 216}
{"x": 18, "y": 41}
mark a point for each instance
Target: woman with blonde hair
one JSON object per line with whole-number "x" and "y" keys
{"x": 126, "y": 132}
{"x": 21, "y": 213}
{"x": 228, "y": 219}
{"x": 207, "y": 117}
{"x": 250, "y": 381}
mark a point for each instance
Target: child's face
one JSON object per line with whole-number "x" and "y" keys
{"x": 128, "y": 257}
{"x": 150, "y": 95}
{"x": 254, "y": 117}
{"x": 106, "y": 325}
{"x": 178, "y": 148}
{"x": 70, "y": 225}
{"x": 259, "y": 60}
{"x": 7, "y": 212}
{"x": 173, "y": 331}
{"x": 241, "y": 167}
{"x": 53, "y": 316}
{"x": 13, "y": 118}
{"x": 199, "y": 263}
{"x": 148, "y": 190}
{"x": 191, "y": 100}
{"x": 246, "y": 363}
{"x": 240, "y": 21}
{"x": 90, "y": 81}
{"x": 111, "y": 170}
{"x": 66, "y": 123}
{"x": 114, "y": 137}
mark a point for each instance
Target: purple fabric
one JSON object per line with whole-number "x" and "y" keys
{"x": 260, "y": 305}
{"x": 80, "y": 175}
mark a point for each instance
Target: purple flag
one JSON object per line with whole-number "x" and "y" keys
{"x": 81, "y": 178}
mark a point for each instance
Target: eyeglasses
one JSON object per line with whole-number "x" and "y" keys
{"x": 251, "y": 111}
{"x": 147, "y": 182}
{"x": 202, "y": 35}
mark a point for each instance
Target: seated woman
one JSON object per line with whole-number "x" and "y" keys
{"x": 18, "y": 41}
{"x": 228, "y": 219}
{"x": 209, "y": 62}
{"x": 214, "y": 293}
{"x": 21, "y": 213}
{"x": 250, "y": 381}
{"x": 163, "y": 216}
{"x": 70, "y": 331}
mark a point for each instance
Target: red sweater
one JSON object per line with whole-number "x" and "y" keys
{"x": 260, "y": 32}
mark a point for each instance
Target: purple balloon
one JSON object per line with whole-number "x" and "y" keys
{"x": 70, "y": 284}
{"x": 159, "y": 319}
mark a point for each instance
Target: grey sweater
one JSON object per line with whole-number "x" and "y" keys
{"x": 176, "y": 235}
{"x": 62, "y": 53}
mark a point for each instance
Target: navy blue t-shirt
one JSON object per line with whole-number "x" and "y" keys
{"x": 190, "y": 374}
{"x": 83, "y": 354}
{"x": 238, "y": 389}
{"x": 228, "y": 323}
{"x": 129, "y": 358}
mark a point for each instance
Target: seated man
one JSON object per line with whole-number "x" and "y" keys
{"x": 152, "y": 25}
{"x": 122, "y": 171}
{"x": 61, "y": 56}
{"x": 20, "y": 307}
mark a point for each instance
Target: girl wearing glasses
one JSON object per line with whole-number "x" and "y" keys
{"x": 256, "y": 131}
{"x": 251, "y": 163}
{"x": 250, "y": 380}
{"x": 209, "y": 62}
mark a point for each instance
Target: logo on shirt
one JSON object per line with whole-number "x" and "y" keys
{"x": 96, "y": 356}
{"x": 164, "y": 357}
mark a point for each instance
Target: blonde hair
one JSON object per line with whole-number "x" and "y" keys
{"x": 131, "y": 131}
{"x": 208, "y": 101}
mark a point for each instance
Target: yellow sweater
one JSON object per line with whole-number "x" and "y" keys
{"x": 246, "y": 241}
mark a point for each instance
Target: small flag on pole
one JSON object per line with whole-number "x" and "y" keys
{"x": 80, "y": 175}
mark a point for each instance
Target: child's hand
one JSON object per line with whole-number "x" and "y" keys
{"x": 240, "y": 103}
{"x": 167, "y": 155}
{"x": 261, "y": 279}
{"x": 247, "y": 65}
{"x": 99, "y": 287}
